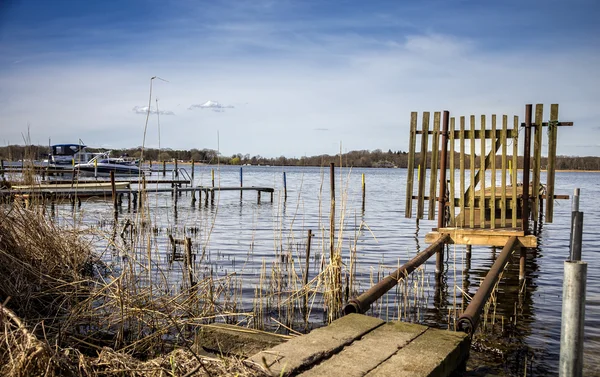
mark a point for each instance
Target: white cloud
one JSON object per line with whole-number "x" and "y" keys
{"x": 211, "y": 105}
{"x": 144, "y": 110}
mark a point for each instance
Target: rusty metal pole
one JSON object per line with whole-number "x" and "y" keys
{"x": 439, "y": 259}
{"x": 525, "y": 204}
{"x": 469, "y": 320}
{"x": 363, "y": 302}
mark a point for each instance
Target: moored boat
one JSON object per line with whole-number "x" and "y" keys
{"x": 102, "y": 165}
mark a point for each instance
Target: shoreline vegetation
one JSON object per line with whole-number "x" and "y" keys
{"x": 361, "y": 158}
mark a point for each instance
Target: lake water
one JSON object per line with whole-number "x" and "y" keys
{"x": 239, "y": 235}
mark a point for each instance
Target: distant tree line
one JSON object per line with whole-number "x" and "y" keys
{"x": 361, "y": 158}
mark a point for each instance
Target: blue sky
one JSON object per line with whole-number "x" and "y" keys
{"x": 290, "y": 77}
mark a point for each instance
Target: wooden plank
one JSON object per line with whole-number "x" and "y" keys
{"x": 462, "y": 168}
{"x": 515, "y": 161}
{"x": 503, "y": 179}
{"x": 482, "y": 174}
{"x": 410, "y": 174}
{"x": 483, "y": 239}
{"x": 451, "y": 166}
{"x": 472, "y": 177}
{"x": 300, "y": 352}
{"x": 435, "y": 353}
{"x": 434, "y": 165}
{"x": 373, "y": 349}
{"x": 551, "y": 174}
{"x": 423, "y": 163}
{"x": 536, "y": 161}
{"x": 493, "y": 180}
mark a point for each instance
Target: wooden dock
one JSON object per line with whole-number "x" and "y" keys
{"x": 359, "y": 345}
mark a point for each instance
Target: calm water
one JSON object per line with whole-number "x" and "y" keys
{"x": 239, "y": 235}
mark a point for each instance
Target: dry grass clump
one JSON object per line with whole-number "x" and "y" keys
{"x": 61, "y": 316}
{"x": 44, "y": 269}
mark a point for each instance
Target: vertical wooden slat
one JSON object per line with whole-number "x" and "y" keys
{"x": 551, "y": 173}
{"x": 515, "y": 160}
{"x": 451, "y": 166}
{"x": 472, "y": 178}
{"x": 462, "y": 171}
{"x": 434, "y": 165}
{"x": 423, "y": 163}
{"x": 493, "y": 180}
{"x": 482, "y": 174}
{"x": 503, "y": 180}
{"x": 537, "y": 160}
{"x": 410, "y": 174}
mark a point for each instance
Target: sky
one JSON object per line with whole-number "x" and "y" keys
{"x": 289, "y": 77}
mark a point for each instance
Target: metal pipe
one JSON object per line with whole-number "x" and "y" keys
{"x": 576, "y": 236}
{"x": 469, "y": 320}
{"x": 573, "y": 315}
{"x": 363, "y": 302}
{"x": 439, "y": 258}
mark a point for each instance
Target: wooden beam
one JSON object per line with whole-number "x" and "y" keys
{"x": 482, "y": 238}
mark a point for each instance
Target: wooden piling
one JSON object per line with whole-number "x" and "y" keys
{"x": 526, "y": 167}
{"x": 212, "y": 177}
{"x": 434, "y": 166}
{"x": 551, "y": 173}
{"x": 451, "y": 188}
{"x": 482, "y": 175}
{"x": 536, "y": 161}
{"x": 461, "y": 164}
{"x": 114, "y": 191}
{"x": 176, "y": 169}
{"x": 258, "y": 197}
{"x": 2, "y": 167}
{"x": 411, "y": 164}
{"x": 493, "y": 180}
{"x": 332, "y": 210}
{"x": 193, "y": 163}
{"x": 423, "y": 164}
{"x": 241, "y": 182}
{"x": 439, "y": 266}
{"x": 515, "y": 160}
{"x": 164, "y": 168}
{"x": 189, "y": 262}
{"x": 364, "y": 190}
{"x": 503, "y": 167}
{"x": 472, "y": 178}
{"x": 284, "y": 187}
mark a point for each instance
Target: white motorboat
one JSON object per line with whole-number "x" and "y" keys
{"x": 102, "y": 164}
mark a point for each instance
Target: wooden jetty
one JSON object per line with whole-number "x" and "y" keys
{"x": 359, "y": 345}
{"x": 478, "y": 203}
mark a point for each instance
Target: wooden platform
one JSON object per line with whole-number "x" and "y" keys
{"x": 483, "y": 237}
{"x": 358, "y": 345}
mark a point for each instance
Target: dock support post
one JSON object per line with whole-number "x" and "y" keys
{"x": 439, "y": 259}
{"x": 526, "y": 167}
{"x": 332, "y": 211}
{"x": 258, "y": 200}
{"x": 164, "y": 168}
{"x": 206, "y": 197}
{"x": 284, "y": 187}
{"x": 212, "y": 177}
{"x": 364, "y": 191}
{"x": 2, "y": 167}
{"x": 189, "y": 263}
{"x": 176, "y": 169}
{"x": 305, "y": 278}
{"x": 271, "y": 196}
{"x": 192, "y": 172}
{"x": 114, "y": 191}
{"x": 241, "y": 182}
{"x": 193, "y": 198}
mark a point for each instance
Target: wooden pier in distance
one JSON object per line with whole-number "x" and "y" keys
{"x": 359, "y": 345}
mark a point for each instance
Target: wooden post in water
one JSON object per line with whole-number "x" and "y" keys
{"x": 364, "y": 190}
{"x": 305, "y": 278}
{"x": 189, "y": 262}
{"x": 439, "y": 259}
{"x": 411, "y": 164}
{"x": 212, "y": 192}
{"x": 193, "y": 163}
{"x": 114, "y": 191}
{"x": 551, "y": 174}
{"x": 284, "y": 187}
{"x": 332, "y": 210}
{"x": 164, "y": 168}
{"x": 525, "y": 204}
{"x": 2, "y": 167}
{"x": 423, "y": 166}
{"x": 241, "y": 182}
{"x": 258, "y": 197}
